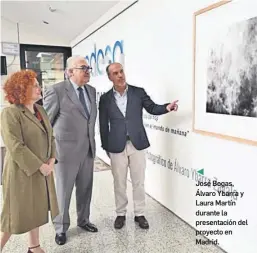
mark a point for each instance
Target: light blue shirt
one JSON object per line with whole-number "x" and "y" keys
{"x": 75, "y": 86}
{"x": 121, "y": 100}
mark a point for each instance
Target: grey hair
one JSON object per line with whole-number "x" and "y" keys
{"x": 70, "y": 61}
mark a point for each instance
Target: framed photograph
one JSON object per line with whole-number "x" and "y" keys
{"x": 225, "y": 71}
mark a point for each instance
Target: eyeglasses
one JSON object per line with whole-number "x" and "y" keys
{"x": 84, "y": 68}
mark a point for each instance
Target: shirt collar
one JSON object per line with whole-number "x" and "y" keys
{"x": 75, "y": 86}
{"x": 117, "y": 93}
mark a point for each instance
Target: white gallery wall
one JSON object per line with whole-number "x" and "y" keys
{"x": 157, "y": 42}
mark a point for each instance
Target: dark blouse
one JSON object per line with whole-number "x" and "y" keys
{"x": 39, "y": 117}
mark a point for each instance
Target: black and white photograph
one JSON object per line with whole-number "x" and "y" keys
{"x": 225, "y": 71}
{"x": 232, "y": 71}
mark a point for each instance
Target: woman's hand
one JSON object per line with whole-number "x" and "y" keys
{"x": 45, "y": 169}
{"x": 51, "y": 163}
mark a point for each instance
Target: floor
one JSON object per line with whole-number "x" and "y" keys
{"x": 167, "y": 233}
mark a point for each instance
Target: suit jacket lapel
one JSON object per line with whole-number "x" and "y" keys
{"x": 74, "y": 98}
{"x": 29, "y": 115}
{"x": 90, "y": 97}
{"x": 47, "y": 125}
{"x": 129, "y": 99}
{"x": 44, "y": 118}
{"x": 114, "y": 104}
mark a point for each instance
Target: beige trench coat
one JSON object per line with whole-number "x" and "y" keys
{"x": 28, "y": 146}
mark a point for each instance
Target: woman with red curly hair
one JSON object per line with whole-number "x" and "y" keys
{"x": 28, "y": 182}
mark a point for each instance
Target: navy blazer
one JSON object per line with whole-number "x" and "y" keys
{"x": 114, "y": 126}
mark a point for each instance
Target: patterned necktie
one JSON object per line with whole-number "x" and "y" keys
{"x": 83, "y": 102}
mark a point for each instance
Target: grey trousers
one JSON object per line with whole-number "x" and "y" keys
{"x": 67, "y": 175}
{"x": 120, "y": 162}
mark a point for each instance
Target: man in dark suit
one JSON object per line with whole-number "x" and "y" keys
{"x": 124, "y": 138}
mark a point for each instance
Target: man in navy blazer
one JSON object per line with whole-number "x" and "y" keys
{"x": 124, "y": 138}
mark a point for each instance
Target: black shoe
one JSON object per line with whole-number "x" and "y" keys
{"x": 60, "y": 239}
{"x": 89, "y": 227}
{"x": 142, "y": 222}
{"x": 119, "y": 222}
{"x": 29, "y": 250}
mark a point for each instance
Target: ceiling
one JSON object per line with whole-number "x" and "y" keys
{"x": 66, "y": 19}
